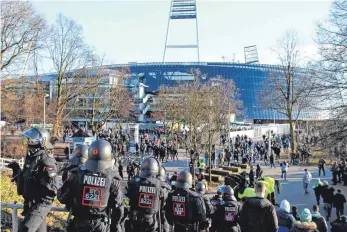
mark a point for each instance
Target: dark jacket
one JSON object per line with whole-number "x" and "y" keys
{"x": 304, "y": 227}
{"x": 338, "y": 226}
{"x": 318, "y": 190}
{"x": 328, "y": 194}
{"x": 258, "y": 215}
{"x": 339, "y": 200}
{"x": 285, "y": 220}
{"x": 320, "y": 221}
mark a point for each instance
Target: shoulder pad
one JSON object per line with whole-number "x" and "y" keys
{"x": 166, "y": 186}
{"x": 117, "y": 177}
{"x": 194, "y": 194}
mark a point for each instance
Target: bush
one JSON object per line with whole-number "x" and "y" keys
{"x": 56, "y": 221}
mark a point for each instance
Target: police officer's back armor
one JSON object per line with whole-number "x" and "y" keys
{"x": 226, "y": 216}
{"x": 39, "y": 176}
{"x": 185, "y": 209}
{"x": 146, "y": 194}
{"x": 93, "y": 190}
{"x": 37, "y": 182}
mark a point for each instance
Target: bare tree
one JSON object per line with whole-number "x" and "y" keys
{"x": 107, "y": 99}
{"x": 22, "y": 100}
{"x": 22, "y": 31}
{"x": 288, "y": 89}
{"x": 70, "y": 57}
{"x": 202, "y": 106}
{"x": 331, "y": 76}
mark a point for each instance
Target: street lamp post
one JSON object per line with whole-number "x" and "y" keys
{"x": 44, "y": 110}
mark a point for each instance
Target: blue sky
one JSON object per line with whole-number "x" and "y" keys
{"x": 134, "y": 31}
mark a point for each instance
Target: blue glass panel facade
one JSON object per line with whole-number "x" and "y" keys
{"x": 249, "y": 79}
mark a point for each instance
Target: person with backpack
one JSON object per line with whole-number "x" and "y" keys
{"x": 285, "y": 219}
{"x": 319, "y": 219}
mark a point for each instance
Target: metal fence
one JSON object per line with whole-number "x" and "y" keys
{"x": 15, "y": 208}
{"x": 5, "y": 161}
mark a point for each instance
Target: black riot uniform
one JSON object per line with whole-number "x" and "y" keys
{"x": 200, "y": 188}
{"x": 93, "y": 191}
{"x": 80, "y": 157}
{"x": 225, "y": 218}
{"x": 145, "y": 195}
{"x": 185, "y": 209}
{"x": 217, "y": 199}
{"x": 37, "y": 182}
{"x": 166, "y": 189}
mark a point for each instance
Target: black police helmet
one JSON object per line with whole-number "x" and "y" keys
{"x": 228, "y": 193}
{"x": 38, "y": 137}
{"x": 81, "y": 155}
{"x": 162, "y": 173}
{"x": 200, "y": 188}
{"x": 149, "y": 168}
{"x": 99, "y": 156}
{"x": 184, "y": 180}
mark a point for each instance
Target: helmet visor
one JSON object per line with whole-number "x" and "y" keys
{"x": 32, "y": 137}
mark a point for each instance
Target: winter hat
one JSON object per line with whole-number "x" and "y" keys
{"x": 325, "y": 183}
{"x": 285, "y": 206}
{"x": 306, "y": 216}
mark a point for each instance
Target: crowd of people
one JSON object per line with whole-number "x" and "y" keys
{"x": 93, "y": 195}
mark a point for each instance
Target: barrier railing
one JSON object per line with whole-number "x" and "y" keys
{"x": 15, "y": 208}
{"x": 5, "y": 161}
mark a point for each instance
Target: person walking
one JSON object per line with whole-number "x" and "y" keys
{"x": 284, "y": 169}
{"x": 321, "y": 166}
{"x": 285, "y": 219}
{"x": 328, "y": 199}
{"x": 338, "y": 202}
{"x": 319, "y": 219}
{"x": 317, "y": 188}
{"x": 306, "y": 180}
{"x": 258, "y": 214}
{"x": 272, "y": 161}
{"x": 120, "y": 170}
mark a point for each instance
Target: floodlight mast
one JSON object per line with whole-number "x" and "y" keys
{"x": 182, "y": 10}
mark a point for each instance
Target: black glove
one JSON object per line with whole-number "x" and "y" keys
{"x": 15, "y": 169}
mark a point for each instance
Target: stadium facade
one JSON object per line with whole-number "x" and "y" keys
{"x": 145, "y": 80}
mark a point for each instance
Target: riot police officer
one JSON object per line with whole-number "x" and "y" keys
{"x": 226, "y": 217}
{"x": 37, "y": 182}
{"x": 145, "y": 195}
{"x": 93, "y": 191}
{"x": 200, "y": 188}
{"x": 185, "y": 209}
{"x": 217, "y": 199}
{"x": 80, "y": 157}
{"x": 166, "y": 189}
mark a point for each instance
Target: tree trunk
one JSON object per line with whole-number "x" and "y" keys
{"x": 210, "y": 156}
{"x": 56, "y": 124}
{"x": 292, "y": 142}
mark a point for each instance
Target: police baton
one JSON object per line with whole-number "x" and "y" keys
{"x": 159, "y": 219}
{"x": 68, "y": 217}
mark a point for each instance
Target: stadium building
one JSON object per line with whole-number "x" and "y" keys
{"x": 145, "y": 79}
